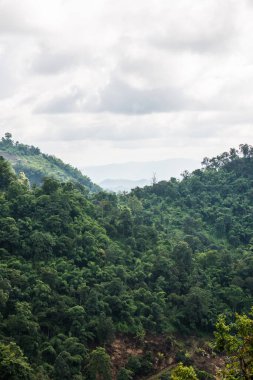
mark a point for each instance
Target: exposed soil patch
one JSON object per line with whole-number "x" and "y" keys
{"x": 165, "y": 353}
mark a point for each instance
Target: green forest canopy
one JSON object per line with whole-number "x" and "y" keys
{"x": 77, "y": 269}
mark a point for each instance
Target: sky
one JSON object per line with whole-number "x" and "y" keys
{"x": 106, "y": 81}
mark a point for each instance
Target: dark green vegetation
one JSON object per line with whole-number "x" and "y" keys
{"x": 37, "y": 165}
{"x": 78, "y": 269}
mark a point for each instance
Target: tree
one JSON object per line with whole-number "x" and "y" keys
{"x": 7, "y": 139}
{"x": 125, "y": 374}
{"x": 23, "y": 180}
{"x": 182, "y": 372}
{"x": 233, "y": 154}
{"x": 126, "y": 221}
{"x": 6, "y": 174}
{"x": 104, "y": 329}
{"x": 182, "y": 255}
{"x": 50, "y": 185}
{"x": 8, "y": 136}
{"x": 236, "y": 340}
{"x": 99, "y": 365}
{"x": 198, "y": 307}
{"x": 13, "y": 364}
{"x": 154, "y": 179}
{"x": 42, "y": 244}
{"x": 245, "y": 150}
{"x": 24, "y": 328}
{"x": 9, "y": 233}
{"x": 61, "y": 366}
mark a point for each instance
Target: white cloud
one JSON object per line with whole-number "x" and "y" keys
{"x": 110, "y": 80}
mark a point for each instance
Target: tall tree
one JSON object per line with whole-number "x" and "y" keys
{"x": 99, "y": 365}
{"x": 236, "y": 340}
{"x": 13, "y": 364}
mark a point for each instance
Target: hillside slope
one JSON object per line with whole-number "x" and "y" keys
{"x": 37, "y": 165}
{"x": 129, "y": 275}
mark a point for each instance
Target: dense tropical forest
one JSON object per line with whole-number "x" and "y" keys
{"x": 96, "y": 285}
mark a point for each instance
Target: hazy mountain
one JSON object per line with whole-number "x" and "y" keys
{"x": 163, "y": 169}
{"x": 123, "y": 184}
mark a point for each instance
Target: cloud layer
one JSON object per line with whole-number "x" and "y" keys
{"x": 113, "y": 81}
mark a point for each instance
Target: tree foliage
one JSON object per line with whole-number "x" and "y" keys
{"x": 99, "y": 365}
{"x": 182, "y": 372}
{"x": 78, "y": 269}
{"x": 13, "y": 363}
{"x": 236, "y": 340}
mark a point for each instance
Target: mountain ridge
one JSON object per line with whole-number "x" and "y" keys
{"x": 37, "y": 165}
{"x": 122, "y": 184}
{"x": 132, "y": 170}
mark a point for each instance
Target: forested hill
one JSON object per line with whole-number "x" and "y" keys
{"x": 210, "y": 203}
{"x": 100, "y": 282}
{"x": 37, "y": 165}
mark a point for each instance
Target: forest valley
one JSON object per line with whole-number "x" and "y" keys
{"x": 158, "y": 281}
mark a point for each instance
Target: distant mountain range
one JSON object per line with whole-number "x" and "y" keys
{"x": 113, "y": 177}
{"x": 128, "y": 175}
{"x": 123, "y": 184}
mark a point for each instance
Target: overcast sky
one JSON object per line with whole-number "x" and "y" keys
{"x": 102, "y": 81}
